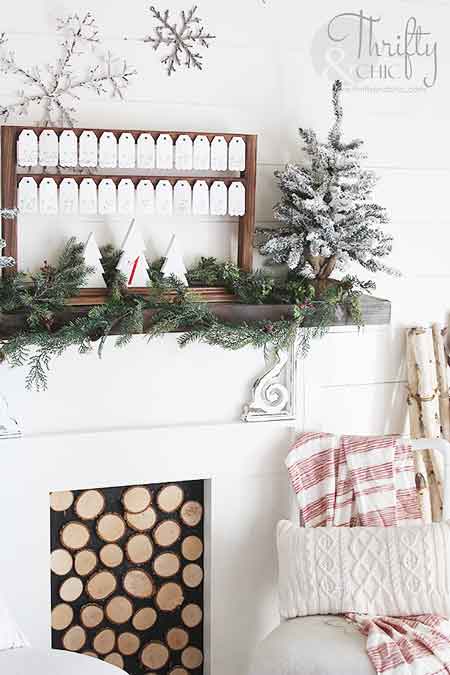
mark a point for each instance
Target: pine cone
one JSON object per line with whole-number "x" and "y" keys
{"x": 269, "y": 328}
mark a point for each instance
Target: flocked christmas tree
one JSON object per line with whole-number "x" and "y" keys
{"x": 93, "y": 260}
{"x": 173, "y": 263}
{"x": 327, "y": 215}
{"x": 133, "y": 263}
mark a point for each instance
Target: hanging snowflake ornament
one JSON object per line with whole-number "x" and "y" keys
{"x": 55, "y": 88}
{"x": 181, "y": 39}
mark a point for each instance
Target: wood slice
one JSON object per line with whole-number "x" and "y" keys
{"x": 119, "y": 609}
{"x": 104, "y": 642}
{"x": 91, "y": 615}
{"x": 61, "y": 562}
{"x": 178, "y": 671}
{"x": 85, "y": 562}
{"x": 138, "y": 584}
{"x": 192, "y": 548}
{"x": 177, "y": 639}
{"x": 90, "y": 504}
{"x": 71, "y": 589}
{"x": 144, "y": 619}
{"x": 167, "y": 565}
{"x": 155, "y": 655}
{"x": 128, "y": 643}
{"x": 74, "y": 639}
{"x": 169, "y": 597}
{"x": 139, "y": 549}
{"x": 192, "y": 615}
{"x": 62, "y": 616}
{"x": 115, "y": 659}
{"x": 167, "y": 533}
{"x": 75, "y": 535}
{"x": 111, "y": 555}
{"x": 191, "y": 513}
{"x": 192, "y": 658}
{"x": 92, "y": 654}
{"x": 170, "y": 498}
{"x": 192, "y": 575}
{"x": 110, "y": 527}
{"x": 141, "y": 522}
{"x": 136, "y": 499}
{"x": 61, "y": 501}
{"x": 101, "y": 585}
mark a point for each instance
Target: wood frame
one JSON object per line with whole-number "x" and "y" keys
{"x": 246, "y": 224}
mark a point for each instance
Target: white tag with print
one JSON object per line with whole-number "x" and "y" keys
{"x": 88, "y": 149}
{"x": 146, "y": 151}
{"x": 27, "y": 148}
{"x": 164, "y": 152}
{"x": 164, "y": 198}
{"x": 183, "y": 153}
{"x": 127, "y": 151}
{"x": 48, "y": 148}
{"x": 236, "y": 199}
{"x": 27, "y": 195}
{"x": 88, "y": 197}
{"x": 182, "y": 198}
{"x": 107, "y": 152}
{"x": 200, "y": 199}
{"x": 145, "y": 197}
{"x": 68, "y": 196}
{"x": 125, "y": 197}
{"x": 236, "y": 154}
{"x": 48, "y": 197}
{"x": 107, "y": 197}
{"x": 218, "y": 198}
{"x": 202, "y": 153}
{"x": 219, "y": 154}
{"x": 68, "y": 148}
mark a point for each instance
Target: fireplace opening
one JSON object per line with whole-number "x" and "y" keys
{"x": 127, "y": 575}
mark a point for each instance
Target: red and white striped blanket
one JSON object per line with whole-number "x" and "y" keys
{"x": 351, "y": 480}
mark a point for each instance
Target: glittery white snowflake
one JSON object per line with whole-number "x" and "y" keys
{"x": 55, "y": 88}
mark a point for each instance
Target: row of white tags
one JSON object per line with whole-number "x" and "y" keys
{"x": 126, "y": 199}
{"x": 146, "y": 153}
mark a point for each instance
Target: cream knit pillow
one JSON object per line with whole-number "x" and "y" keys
{"x": 393, "y": 571}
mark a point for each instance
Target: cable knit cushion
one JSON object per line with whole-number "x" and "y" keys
{"x": 395, "y": 571}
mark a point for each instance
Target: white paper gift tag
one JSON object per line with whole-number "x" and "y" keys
{"x": 68, "y": 148}
{"x": 48, "y": 148}
{"x": 218, "y": 198}
{"x": 68, "y": 196}
{"x": 164, "y": 198}
{"x": 236, "y": 199}
{"x": 107, "y": 197}
{"x": 236, "y": 154}
{"x": 202, "y": 153}
{"x": 145, "y": 197}
{"x": 164, "y": 152}
{"x": 200, "y": 198}
{"x": 219, "y": 154}
{"x": 127, "y": 151}
{"x": 88, "y": 149}
{"x": 183, "y": 153}
{"x": 48, "y": 197}
{"x": 182, "y": 198}
{"x": 88, "y": 197}
{"x": 107, "y": 152}
{"x": 27, "y": 148}
{"x": 125, "y": 197}
{"x": 27, "y": 195}
{"x": 146, "y": 151}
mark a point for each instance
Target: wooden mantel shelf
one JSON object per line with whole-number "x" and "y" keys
{"x": 374, "y": 312}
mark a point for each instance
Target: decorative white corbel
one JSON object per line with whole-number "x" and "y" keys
{"x": 9, "y": 427}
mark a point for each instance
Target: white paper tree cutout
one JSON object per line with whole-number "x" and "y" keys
{"x": 173, "y": 263}
{"x": 133, "y": 263}
{"x": 92, "y": 259}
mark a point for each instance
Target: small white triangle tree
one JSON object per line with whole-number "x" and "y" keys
{"x": 92, "y": 258}
{"x": 173, "y": 263}
{"x": 133, "y": 262}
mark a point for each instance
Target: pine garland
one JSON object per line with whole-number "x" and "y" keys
{"x": 44, "y": 296}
